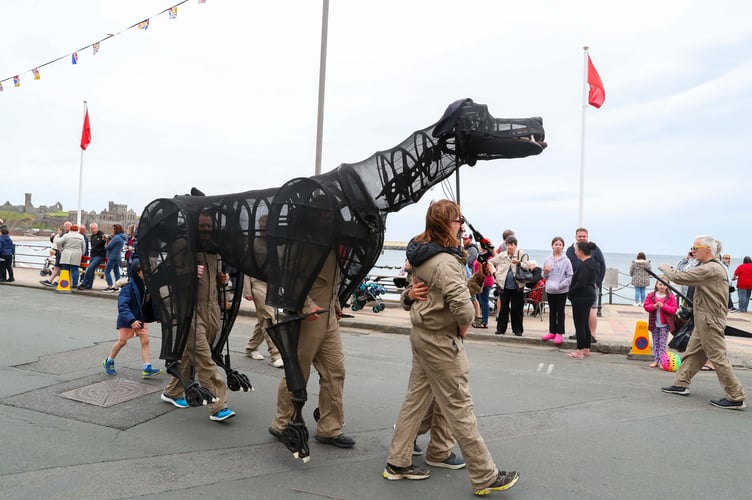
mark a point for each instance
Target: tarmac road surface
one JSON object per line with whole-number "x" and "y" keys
{"x": 598, "y": 428}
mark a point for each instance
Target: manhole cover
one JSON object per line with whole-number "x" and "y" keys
{"x": 110, "y": 392}
{"x": 119, "y": 402}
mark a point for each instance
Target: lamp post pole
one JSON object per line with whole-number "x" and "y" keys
{"x": 322, "y": 85}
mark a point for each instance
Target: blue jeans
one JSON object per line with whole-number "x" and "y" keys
{"x": 114, "y": 266}
{"x": 743, "y": 298}
{"x": 483, "y": 299}
{"x": 73, "y": 274}
{"x": 89, "y": 275}
{"x": 639, "y": 294}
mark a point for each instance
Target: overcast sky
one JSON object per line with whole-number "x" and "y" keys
{"x": 224, "y": 98}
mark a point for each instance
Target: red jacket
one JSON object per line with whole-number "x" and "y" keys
{"x": 668, "y": 310}
{"x": 743, "y": 274}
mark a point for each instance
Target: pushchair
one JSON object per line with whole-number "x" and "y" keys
{"x": 49, "y": 263}
{"x": 368, "y": 291}
{"x": 536, "y": 299}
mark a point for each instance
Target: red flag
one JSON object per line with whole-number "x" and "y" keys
{"x": 86, "y": 132}
{"x": 597, "y": 94}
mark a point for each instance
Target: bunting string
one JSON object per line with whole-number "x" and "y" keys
{"x": 74, "y": 55}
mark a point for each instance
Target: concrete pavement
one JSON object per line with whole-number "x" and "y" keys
{"x": 615, "y": 332}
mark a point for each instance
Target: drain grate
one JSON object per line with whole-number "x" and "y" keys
{"x": 110, "y": 392}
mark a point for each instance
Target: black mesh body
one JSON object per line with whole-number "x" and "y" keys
{"x": 343, "y": 210}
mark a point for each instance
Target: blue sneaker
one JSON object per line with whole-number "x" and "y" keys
{"x": 222, "y": 415}
{"x": 178, "y": 402}
{"x": 150, "y": 371}
{"x": 109, "y": 366}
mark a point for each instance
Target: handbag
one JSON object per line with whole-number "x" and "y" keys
{"x": 521, "y": 274}
{"x": 682, "y": 335}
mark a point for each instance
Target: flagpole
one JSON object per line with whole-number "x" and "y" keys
{"x": 80, "y": 178}
{"x": 580, "y": 222}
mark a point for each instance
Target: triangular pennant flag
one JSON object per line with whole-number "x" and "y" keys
{"x": 95, "y": 47}
{"x": 16, "y": 81}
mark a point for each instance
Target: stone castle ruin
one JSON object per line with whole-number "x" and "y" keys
{"x": 52, "y": 216}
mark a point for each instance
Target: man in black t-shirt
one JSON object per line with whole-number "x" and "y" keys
{"x": 581, "y": 234}
{"x": 97, "y": 254}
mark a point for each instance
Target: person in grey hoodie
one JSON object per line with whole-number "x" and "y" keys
{"x": 557, "y": 271}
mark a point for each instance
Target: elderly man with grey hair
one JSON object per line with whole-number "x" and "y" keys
{"x": 710, "y": 308}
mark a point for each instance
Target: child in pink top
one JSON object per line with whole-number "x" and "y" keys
{"x": 661, "y": 306}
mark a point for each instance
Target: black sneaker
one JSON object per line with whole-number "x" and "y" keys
{"x": 275, "y": 433}
{"x": 573, "y": 337}
{"x": 417, "y": 450}
{"x": 504, "y": 481}
{"x": 676, "y": 389}
{"x": 729, "y": 405}
{"x": 340, "y": 441}
{"x": 412, "y": 471}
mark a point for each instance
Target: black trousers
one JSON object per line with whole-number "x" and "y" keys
{"x": 581, "y": 316}
{"x": 512, "y": 302}
{"x": 6, "y": 268}
{"x": 556, "y": 304}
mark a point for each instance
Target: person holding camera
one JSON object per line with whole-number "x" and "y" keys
{"x": 483, "y": 296}
{"x": 511, "y": 290}
{"x": 708, "y": 338}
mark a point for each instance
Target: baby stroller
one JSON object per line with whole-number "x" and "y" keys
{"x": 49, "y": 263}
{"x": 536, "y": 298}
{"x": 368, "y": 291}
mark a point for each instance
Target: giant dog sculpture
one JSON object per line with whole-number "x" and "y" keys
{"x": 342, "y": 211}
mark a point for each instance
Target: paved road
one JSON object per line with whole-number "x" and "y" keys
{"x": 596, "y": 429}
